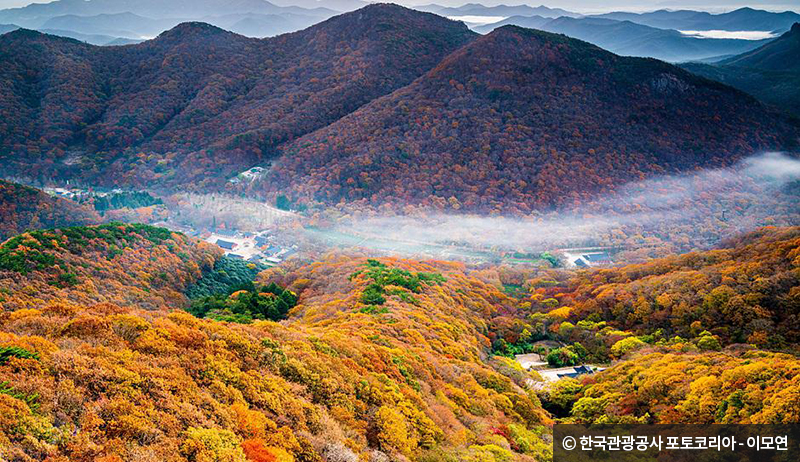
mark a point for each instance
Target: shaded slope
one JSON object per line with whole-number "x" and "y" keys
{"x": 522, "y": 119}
{"x": 770, "y": 73}
{"x": 779, "y": 55}
{"x": 22, "y": 208}
{"x": 87, "y": 111}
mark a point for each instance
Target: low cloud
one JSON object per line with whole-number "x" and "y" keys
{"x": 704, "y": 206}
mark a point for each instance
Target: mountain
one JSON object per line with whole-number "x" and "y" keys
{"x": 7, "y": 28}
{"x": 198, "y": 96}
{"x": 147, "y": 19}
{"x": 198, "y": 99}
{"x": 261, "y": 25}
{"x": 655, "y": 295}
{"x": 770, "y": 73}
{"x": 137, "y": 27}
{"x": 23, "y": 207}
{"x": 476, "y": 9}
{"x": 528, "y": 22}
{"x": 699, "y": 318}
{"x": 122, "y": 24}
{"x": 34, "y": 15}
{"x": 700, "y": 386}
{"x": 406, "y": 377}
{"x": 630, "y": 39}
{"x": 522, "y": 119}
{"x": 125, "y": 264}
{"x": 375, "y": 359}
{"x": 743, "y": 19}
{"x": 92, "y": 39}
{"x": 685, "y": 333}
{"x": 780, "y": 55}
{"x": 342, "y": 6}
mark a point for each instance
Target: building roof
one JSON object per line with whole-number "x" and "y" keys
{"x": 584, "y": 370}
{"x": 579, "y": 370}
{"x": 596, "y": 257}
{"x": 580, "y": 263}
{"x": 227, "y": 245}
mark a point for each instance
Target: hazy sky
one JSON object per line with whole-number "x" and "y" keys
{"x": 574, "y": 5}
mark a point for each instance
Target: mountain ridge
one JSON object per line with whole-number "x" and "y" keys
{"x": 197, "y": 99}
{"x": 386, "y": 46}
{"x": 628, "y": 38}
{"x": 771, "y": 72}
{"x": 482, "y": 108}
{"x": 742, "y": 19}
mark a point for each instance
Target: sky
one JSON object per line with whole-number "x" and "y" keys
{"x": 582, "y": 6}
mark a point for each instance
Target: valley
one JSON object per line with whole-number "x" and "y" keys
{"x": 345, "y": 232}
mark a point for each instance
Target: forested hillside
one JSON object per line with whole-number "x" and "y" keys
{"x": 748, "y": 291}
{"x": 116, "y": 263}
{"x": 23, "y": 208}
{"x": 778, "y": 55}
{"x": 198, "y": 97}
{"x": 683, "y": 334}
{"x": 382, "y": 359}
{"x": 522, "y": 119}
{"x": 628, "y": 38}
{"x": 384, "y": 105}
{"x": 771, "y": 72}
{"x": 745, "y": 292}
{"x": 678, "y": 384}
{"x": 379, "y": 359}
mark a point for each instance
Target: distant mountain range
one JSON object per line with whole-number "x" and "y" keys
{"x": 117, "y": 22}
{"x": 120, "y": 24}
{"x": 33, "y": 15}
{"x": 93, "y": 39}
{"x": 631, "y": 39}
{"x": 476, "y": 9}
{"x": 771, "y": 72}
{"x": 146, "y": 19}
{"x": 743, "y": 19}
{"x": 385, "y": 104}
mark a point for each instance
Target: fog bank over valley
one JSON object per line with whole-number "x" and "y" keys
{"x": 701, "y": 208}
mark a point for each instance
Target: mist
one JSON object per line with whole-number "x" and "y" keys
{"x": 696, "y": 210}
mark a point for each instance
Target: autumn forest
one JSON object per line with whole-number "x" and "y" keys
{"x": 387, "y": 237}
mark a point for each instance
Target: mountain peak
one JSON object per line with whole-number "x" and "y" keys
{"x": 777, "y": 55}
{"x": 386, "y": 11}
{"x": 192, "y": 28}
{"x": 390, "y": 24}
{"x": 511, "y": 31}
{"x": 23, "y": 32}
{"x": 23, "y": 35}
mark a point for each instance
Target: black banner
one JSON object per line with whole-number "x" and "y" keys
{"x": 676, "y": 443}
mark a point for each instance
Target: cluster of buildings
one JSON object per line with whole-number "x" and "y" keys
{"x": 535, "y": 362}
{"x": 260, "y": 248}
{"x": 587, "y": 258}
{"x": 248, "y": 176}
{"x": 77, "y": 194}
